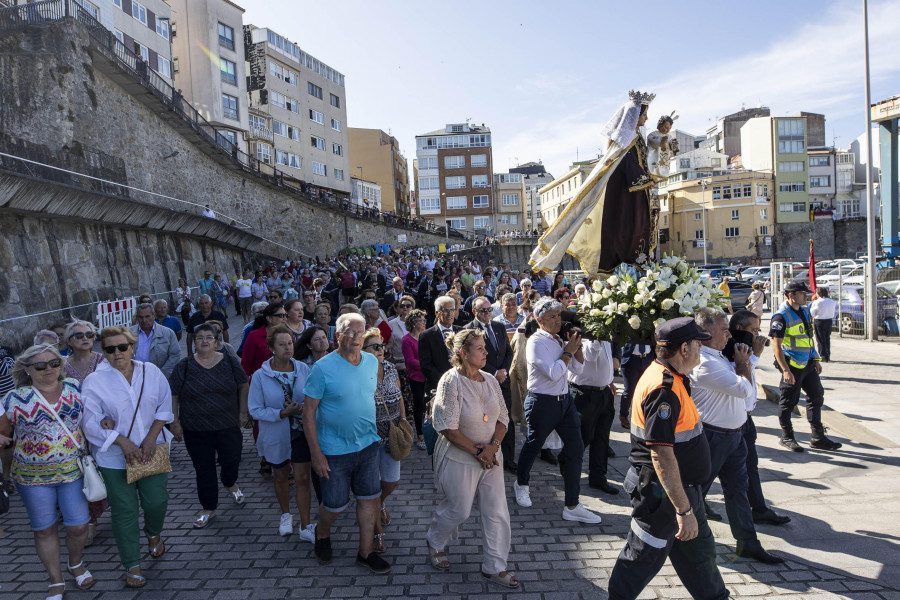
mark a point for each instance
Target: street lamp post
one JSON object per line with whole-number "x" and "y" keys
{"x": 704, "y": 183}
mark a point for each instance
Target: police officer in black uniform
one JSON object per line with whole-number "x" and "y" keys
{"x": 670, "y": 462}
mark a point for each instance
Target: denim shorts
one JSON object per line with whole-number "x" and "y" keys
{"x": 41, "y": 501}
{"x": 357, "y": 472}
{"x": 389, "y": 468}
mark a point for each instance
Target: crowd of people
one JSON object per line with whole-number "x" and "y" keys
{"x": 334, "y": 354}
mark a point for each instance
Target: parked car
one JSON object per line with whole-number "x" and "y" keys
{"x": 831, "y": 278}
{"x": 716, "y": 274}
{"x": 712, "y": 266}
{"x": 851, "y": 318}
{"x": 739, "y": 292}
{"x": 756, "y": 274}
{"x": 891, "y": 287}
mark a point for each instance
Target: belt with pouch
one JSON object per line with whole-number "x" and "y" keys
{"x": 557, "y": 398}
{"x": 590, "y": 388}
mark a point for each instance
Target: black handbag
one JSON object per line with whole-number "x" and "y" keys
{"x": 4, "y": 498}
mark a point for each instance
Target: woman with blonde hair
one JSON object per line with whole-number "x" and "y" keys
{"x": 136, "y": 397}
{"x": 46, "y": 411}
{"x": 471, "y": 416}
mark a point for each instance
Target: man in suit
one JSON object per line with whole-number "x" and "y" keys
{"x": 394, "y": 294}
{"x": 155, "y": 343}
{"x": 414, "y": 276}
{"x": 434, "y": 356}
{"x": 480, "y": 292}
{"x": 426, "y": 295}
{"x": 499, "y": 360}
{"x": 635, "y": 358}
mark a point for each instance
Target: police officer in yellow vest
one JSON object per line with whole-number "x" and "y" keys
{"x": 795, "y": 355}
{"x": 670, "y": 462}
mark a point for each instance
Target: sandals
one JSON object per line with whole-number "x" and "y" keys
{"x": 134, "y": 580}
{"x": 238, "y": 496}
{"x": 81, "y": 579}
{"x": 379, "y": 546}
{"x": 506, "y": 579}
{"x": 58, "y": 596}
{"x": 157, "y": 549}
{"x": 265, "y": 469}
{"x": 385, "y": 515}
{"x": 203, "y": 520}
{"x": 438, "y": 559}
{"x": 421, "y": 445}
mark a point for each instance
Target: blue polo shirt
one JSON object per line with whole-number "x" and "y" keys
{"x": 345, "y": 418}
{"x": 170, "y": 322}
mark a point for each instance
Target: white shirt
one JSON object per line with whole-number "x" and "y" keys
{"x": 718, "y": 391}
{"x": 243, "y": 286}
{"x": 106, "y": 393}
{"x": 823, "y": 308}
{"x": 598, "y": 364}
{"x": 546, "y": 369}
{"x": 208, "y": 213}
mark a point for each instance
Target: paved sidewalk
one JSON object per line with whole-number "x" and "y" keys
{"x": 841, "y": 543}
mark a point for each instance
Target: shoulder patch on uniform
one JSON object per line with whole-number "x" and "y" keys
{"x": 777, "y": 325}
{"x": 665, "y": 411}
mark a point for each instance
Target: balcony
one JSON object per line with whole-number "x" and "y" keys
{"x": 260, "y": 133}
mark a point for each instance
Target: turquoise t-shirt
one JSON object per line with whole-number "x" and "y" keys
{"x": 345, "y": 419}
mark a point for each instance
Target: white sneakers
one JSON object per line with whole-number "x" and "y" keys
{"x": 523, "y": 496}
{"x": 581, "y": 514}
{"x": 308, "y": 534}
{"x": 287, "y": 525}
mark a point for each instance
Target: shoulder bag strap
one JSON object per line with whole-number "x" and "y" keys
{"x": 46, "y": 405}
{"x": 140, "y": 395}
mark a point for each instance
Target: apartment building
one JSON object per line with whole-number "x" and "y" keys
{"x": 509, "y": 199}
{"x": 557, "y": 194}
{"x": 455, "y": 175}
{"x": 701, "y": 158}
{"x": 366, "y": 193}
{"x": 725, "y": 136}
{"x": 302, "y": 102}
{"x": 536, "y": 177}
{"x": 376, "y": 156}
{"x": 208, "y": 63}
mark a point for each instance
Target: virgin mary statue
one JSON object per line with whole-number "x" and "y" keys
{"x": 609, "y": 221}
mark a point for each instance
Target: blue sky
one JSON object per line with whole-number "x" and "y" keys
{"x": 546, "y": 76}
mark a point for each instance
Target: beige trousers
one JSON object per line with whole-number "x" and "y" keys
{"x": 458, "y": 485}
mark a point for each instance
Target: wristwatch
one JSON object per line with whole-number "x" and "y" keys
{"x": 689, "y": 511}
{"x": 496, "y": 443}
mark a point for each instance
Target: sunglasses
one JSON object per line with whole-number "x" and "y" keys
{"x": 484, "y": 310}
{"x": 375, "y": 347}
{"x": 41, "y": 366}
{"x": 82, "y": 334}
{"x": 406, "y": 306}
{"x": 119, "y": 347}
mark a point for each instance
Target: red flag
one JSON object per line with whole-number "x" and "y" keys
{"x": 812, "y": 268}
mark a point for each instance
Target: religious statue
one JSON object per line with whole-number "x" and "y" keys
{"x": 610, "y": 220}
{"x": 661, "y": 147}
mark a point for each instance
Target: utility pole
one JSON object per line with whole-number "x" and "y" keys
{"x": 870, "y": 280}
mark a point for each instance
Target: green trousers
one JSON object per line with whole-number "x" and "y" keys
{"x": 153, "y": 494}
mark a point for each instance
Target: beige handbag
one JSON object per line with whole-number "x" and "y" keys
{"x": 159, "y": 460}
{"x": 400, "y": 435}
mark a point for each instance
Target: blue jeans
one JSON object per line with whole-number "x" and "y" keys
{"x": 542, "y": 416}
{"x": 41, "y": 501}
{"x": 357, "y": 472}
{"x": 728, "y": 458}
{"x": 388, "y": 467}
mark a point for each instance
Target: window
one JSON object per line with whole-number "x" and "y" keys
{"x": 454, "y": 162}
{"x": 698, "y": 216}
{"x": 763, "y": 230}
{"x": 455, "y": 183}
{"x": 479, "y": 181}
{"x": 337, "y": 149}
{"x": 258, "y": 122}
{"x": 793, "y": 186}
{"x": 228, "y": 135}
{"x": 317, "y": 142}
{"x": 226, "y": 36}
{"x": 819, "y": 161}
{"x": 715, "y": 163}
{"x": 229, "y": 71}
{"x": 282, "y": 73}
{"x": 844, "y": 180}
{"x": 792, "y": 166}
{"x": 791, "y": 138}
{"x": 456, "y": 202}
{"x": 698, "y": 234}
{"x": 139, "y": 12}
{"x": 732, "y": 232}
{"x": 684, "y": 163}
{"x": 735, "y": 214}
{"x": 162, "y": 28}
{"x": 510, "y": 199}
{"x": 118, "y": 3}
{"x": 457, "y": 223}
{"x": 335, "y": 124}
{"x": 514, "y": 219}
{"x": 335, "y": 100}
{"x": 764, "y": 213}
{"x": 726, "y": 192}
{"x": 284, "y": 130}
{"x": 429, "y": 183}
{"x": 509, "y": 178}
{"x": 845, "y": 158}
{"x": 89, "y": 8}
{"x": 762, "y": 190}
{"x": 717, "y": 192}
{"x": 736, "y": 190}
{"x": 430, "y": 204}
{"x": 480, "y": 202}
{"x": 481, "y": 222}
{"x": 288, "y": 159}
{"x": 428, "y": 162}
{"x": 314, "y": 90}
{"x": 748, "y": 190}
{"x": 163, "y": 66}
{"x": 316, "y": 116}
{"x": 820, "y": 181}
{"x": 339, "y": 174}
{"x": 264, "y": 153}
{"x": 320, "y": 168}
{"x": 849, "y": 207}
{"x": 230, "y": 107}
{"x": 787, "y": 207}
{"x": 119, "y": 35}
{"x": 504, "y": 219}
{"x": 479, "y": 160}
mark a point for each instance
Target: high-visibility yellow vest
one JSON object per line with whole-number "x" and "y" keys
{"x": 798, "y": 343}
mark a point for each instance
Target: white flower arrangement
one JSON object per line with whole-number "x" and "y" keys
{"x": 636, "y": 299}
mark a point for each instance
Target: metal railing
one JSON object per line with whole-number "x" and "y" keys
{"x": 17, "y": 18}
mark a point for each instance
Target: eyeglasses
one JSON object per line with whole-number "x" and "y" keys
{"x": 205, "y": 338}
{"x": 406, "y": 306}
{"x": 119, "y": 347}
{"x": 484, "y": 310}
{"x": 353, "y": 334}
{"x": 447, "y": 312}
{"x": 375, "y": 347}
{"x": 83, "y": 334}
{"x": 479, "y": 287}
{"x": 280, "y": 315}
{"x": 41, "y": 366}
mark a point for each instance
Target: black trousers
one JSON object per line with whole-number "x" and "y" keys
{"x": 652, "y": 538}
{"x": 597, "y": 409}
{"x": 807, "y": 380}
{"x": 631, "y": 374}
{"x": 822, "y": 329}
{"x": 203, "y": 446}
{"x": 508, "y": 444}
{"x": 754, "y": 487}
{"x": 418, "y": 396}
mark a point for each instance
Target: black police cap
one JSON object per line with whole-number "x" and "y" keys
{"x": 675, "y": 332}
{"x": 797, "y": 285}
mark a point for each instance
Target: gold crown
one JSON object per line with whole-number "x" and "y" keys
{"x": 643, "y": 98}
